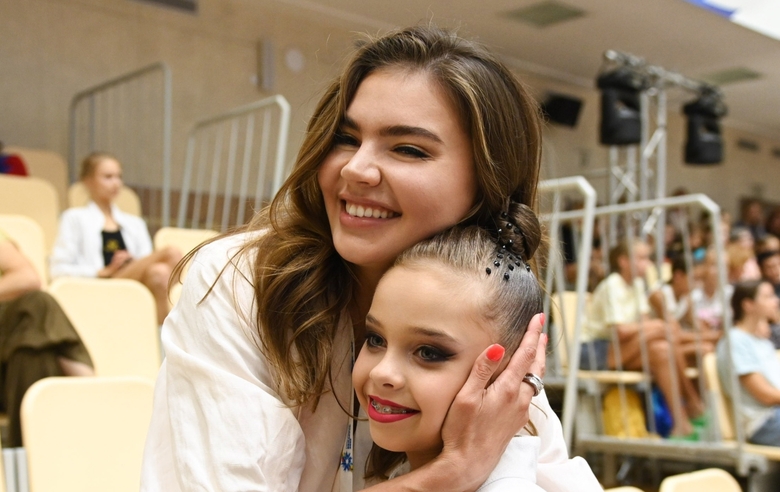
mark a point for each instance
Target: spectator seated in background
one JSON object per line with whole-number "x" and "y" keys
{"x": 36, "y": 338}
{"x": 100, "y": 240}
{"x": 672, "y": 302}
{"x": 619, "y": 309}
{"x": 755, "y": 362}
{"x": 769, "y": 262}
{"x": 11, "y": 164}
{"x": 770, "y": 242}
{"x": 706, "y": 299}
{"x": 741, "y": 256}
{"x": 752, "y": 218}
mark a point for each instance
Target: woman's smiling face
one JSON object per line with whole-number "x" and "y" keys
{"x": 401, "y": 168}
{"x": 424, "y": 332}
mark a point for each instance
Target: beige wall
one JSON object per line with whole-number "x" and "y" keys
{"x": 51, "y": 49}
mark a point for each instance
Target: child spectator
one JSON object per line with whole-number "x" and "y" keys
{"x": 619, "y": 311}
{"x": 755, "y": 361}
{"x": 100, "y": 240}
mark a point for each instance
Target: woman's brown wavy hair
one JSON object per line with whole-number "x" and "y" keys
{"x": 302, "y": 285}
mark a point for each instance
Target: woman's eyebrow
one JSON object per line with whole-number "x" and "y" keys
{"x": 396, "y": 130}
{"x": 405, "y": 130}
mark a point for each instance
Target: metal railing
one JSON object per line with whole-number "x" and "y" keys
{"x": 228, "y": 153}
{"x": 589, "y": 437}
{"x": 551, "y": 197}
{"x": 130, "y": 117}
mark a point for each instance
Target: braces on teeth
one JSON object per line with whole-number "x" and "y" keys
{"x": 385, "y": 409}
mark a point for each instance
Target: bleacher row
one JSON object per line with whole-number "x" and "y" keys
{"x": 84, "y": 434}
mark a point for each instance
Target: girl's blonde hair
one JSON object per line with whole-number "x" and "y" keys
{"x": 90, "y": 163}
{"x": 499, "y": 262}
{"x": 302, "y": 286}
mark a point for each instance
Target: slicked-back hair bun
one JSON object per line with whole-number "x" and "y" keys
{"x": 519, "y": 230}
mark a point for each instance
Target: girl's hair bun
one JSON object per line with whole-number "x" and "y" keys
{"x": 519, "y": 230}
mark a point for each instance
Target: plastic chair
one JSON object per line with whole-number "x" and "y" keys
{"x": 86, "y": 434}
{"x": 34, "y": 198}
{"x": 117, "y": 321}
{"x": 28, "y": 236}
{"x": 127, "y": 200}
{"x": 710, "y": 480}
{"x": 184, "y": 239}
{"x": 47, "y": 165}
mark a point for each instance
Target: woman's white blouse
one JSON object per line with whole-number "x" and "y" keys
{"x": 78, "y": 249}
{"x": 220, "y": 424}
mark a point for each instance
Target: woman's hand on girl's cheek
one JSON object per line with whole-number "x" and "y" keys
{"x": 483, "y": 418}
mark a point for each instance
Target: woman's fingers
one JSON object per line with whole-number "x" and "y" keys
{"x": 530, "y": 356}
{"x": 484, "y": 416}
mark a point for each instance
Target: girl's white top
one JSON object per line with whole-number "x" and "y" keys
{"x": 220, "y": 423}
{"x": 78, "y": 249}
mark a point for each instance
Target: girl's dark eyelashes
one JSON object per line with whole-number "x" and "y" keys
{"x": 374, "y": 340}
{"x": 432, "y": 354}
{"x": 412, "y": 151}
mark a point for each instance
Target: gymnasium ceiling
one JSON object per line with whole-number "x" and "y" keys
{"x": 672, "y": 34}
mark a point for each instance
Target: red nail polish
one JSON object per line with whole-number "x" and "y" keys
{"x": 542, "y": 319}
{"x": 495, "y": 352}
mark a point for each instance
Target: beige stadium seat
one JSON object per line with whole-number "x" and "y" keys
{"x": 116, "y": 319}
{"x": 47, "y": 165}
{"x": 28, "y": 237}
{"x": 86, "y": 434}
{"x": 184, "y": 239}
{"x": 709, "y": 480}
{"x": 127, "y": 200}
{"x": 34, "y": 198}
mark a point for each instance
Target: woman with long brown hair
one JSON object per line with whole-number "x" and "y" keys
{"x": 422, "y": 131}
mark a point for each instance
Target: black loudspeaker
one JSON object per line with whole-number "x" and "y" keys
{"x": 621, "y": 122}
{"x": 564, "y": 110}
{"x": 704, "y": 144}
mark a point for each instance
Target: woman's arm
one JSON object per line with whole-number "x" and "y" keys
{"x": 482, "y": 420}
{"x": 218, "y": 423}
{"x": 18, "y": 275}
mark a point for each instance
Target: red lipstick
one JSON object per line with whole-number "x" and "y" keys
{"x": 386, "y": 418}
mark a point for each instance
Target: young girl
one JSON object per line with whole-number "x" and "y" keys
{"x": 444, "y": 301}
{"x": 755, "y": 361}
{"x": 100, "y": 240}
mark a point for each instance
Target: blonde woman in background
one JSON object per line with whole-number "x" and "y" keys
{"x": 101, "y": 241}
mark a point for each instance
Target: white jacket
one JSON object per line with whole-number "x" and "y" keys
{"x": 78, "y": 250}
{"x": 219, "y": 422}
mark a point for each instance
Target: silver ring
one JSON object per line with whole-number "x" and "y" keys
{"x": 535, "y": 381}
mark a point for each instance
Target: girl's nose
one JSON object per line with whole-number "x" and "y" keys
{"x": 362, "y": 167}
{"x": 388, "y": 372}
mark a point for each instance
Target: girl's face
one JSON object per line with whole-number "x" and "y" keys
{"x": 424, "y": 332}
{"x": 766, "y": 302}
{"x": 106, "y": 181}
{"x": 401, "y": 169}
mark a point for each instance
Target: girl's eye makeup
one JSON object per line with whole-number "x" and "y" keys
{"x": 432, "y": 354}
{"x": 410, "y": 151}
{"x": 373, "y": 340}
